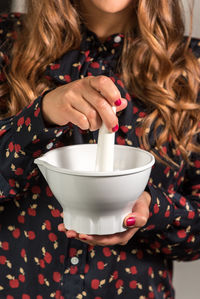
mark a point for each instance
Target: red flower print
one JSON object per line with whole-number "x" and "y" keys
{"x": 115, "y": 275}
{"x": 5, "y": 245}
{"x": 2, "y": 260}
{"x": 55, "y": 66}
{"x": 123, "y": 256}
{"x": 72, "y": 252}
{"x": 124, "y": 129}
{"x": 47, "y": 224}
{"x": 11, "y": 147}
{"x": 27, "y": 121}
{"x": 86, "y": 269}
{"x": 21, "y": 218}
{"x": 42, "y": 263}
{"x": 19, "y": 171}
{"x": 120, "y": 83}
{"x": 52, "y": 237}
{"x": 37, "y": 111}
{"x": 14, "y": 283}
{"x": 119, "y": 283}
{"x": 128, "y": 97}
{"x": 73, "y": 270}
{"x": 47, "y": 257}
{"x": 191, "y": 214}
{"x": 197, "y": 163}
{"x": 107, "y": 251}
{"x": 183, "y": 201}
{"x": 133, "y": 284}
{"x": 151, "y": 295}
{"x": 120, "y": 140}
{"x": 95, "y": 284}
{"x": 49, "y": 192}
{"x": 181, "y": 234}
{"x": 41, "y": 278}
{"x": 95, "y": 65}
{"x": 56, "y": 276}
{"x": 15, "y": 232}
{"x": 67, "y": 78}
{"x": 133, "y": 270}
{"x": 55, "y": 213}
{"x": 2, "y": 132}
{"x": 20, "y": 122}
{"x": 11, "y": 182}
{"x": 100, "y": 265}
{"x": 135, "y": 110}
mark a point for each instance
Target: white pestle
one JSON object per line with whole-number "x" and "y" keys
{"x": 105, "y": 149}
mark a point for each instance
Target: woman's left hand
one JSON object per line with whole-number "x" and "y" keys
{"x": 134, "y": 221}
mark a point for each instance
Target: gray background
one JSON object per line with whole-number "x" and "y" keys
{"x": 186, "y": 275}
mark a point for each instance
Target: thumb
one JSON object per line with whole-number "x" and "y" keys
{"x": 140, "y": 212}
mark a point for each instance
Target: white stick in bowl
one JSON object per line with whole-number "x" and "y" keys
{"x": 105, "y": 149}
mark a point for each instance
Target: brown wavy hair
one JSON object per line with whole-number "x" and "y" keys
{"x": 156, "y": 65}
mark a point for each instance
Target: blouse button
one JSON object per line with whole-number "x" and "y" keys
{"x": 117, "y": 39}
{"x": 74, "y": 260}
{"x": 49, "y": 146}
{"x": 59, "y": 134}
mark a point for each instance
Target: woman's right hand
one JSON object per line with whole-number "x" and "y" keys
{"x": 85, "y": 102}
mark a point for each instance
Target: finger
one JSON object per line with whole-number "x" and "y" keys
{"x": 110, "y": 240}
{"x": 77, "y": 118}
{"x": 71, "y": 234}
{"x": 107, "y": 88}
{"x": 61, "y": 227}
{"x": 123, "y": 105}
{"x": 137, "y": 219}
{"x": 83, "y": 106}
{"x": 140, "y": 212}
{"x": 134, "y": 220}
{"x": 102, "y": 106}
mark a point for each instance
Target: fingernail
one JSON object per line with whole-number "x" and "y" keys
{"x": 84, "y": 239}
{"x": 115, "y": 129}
{"x": 130, "y": 221}
{"x": 118, "y": 102}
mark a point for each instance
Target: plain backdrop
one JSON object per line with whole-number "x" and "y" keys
{"x": 186, "y": 275}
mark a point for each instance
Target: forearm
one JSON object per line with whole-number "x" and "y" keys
{"x": 22, "y": 139}
{"x": 174, "y": 225}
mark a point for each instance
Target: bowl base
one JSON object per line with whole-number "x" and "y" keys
{"x": 84, "y": 224}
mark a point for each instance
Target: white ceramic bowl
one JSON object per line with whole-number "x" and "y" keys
{"x": 95, "y": 202}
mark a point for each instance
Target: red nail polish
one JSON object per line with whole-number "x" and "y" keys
{"x": 118, "y": 102}
{"x": 130, "y": 221}
{"x": 84, "y": 239}
{"x": 115, "y": 129}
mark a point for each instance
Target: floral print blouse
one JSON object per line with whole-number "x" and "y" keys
{"x": 39, "y": 262}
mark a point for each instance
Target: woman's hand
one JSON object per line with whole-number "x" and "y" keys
{"x": 85, "y": 102}
{"x": 134, "y": 221}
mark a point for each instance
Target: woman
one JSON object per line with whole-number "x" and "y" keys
{"x": 68, "y": 64}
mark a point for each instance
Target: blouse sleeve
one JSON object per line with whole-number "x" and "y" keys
{"x": 174, "y": 223}
{"x": 23, "y": 137}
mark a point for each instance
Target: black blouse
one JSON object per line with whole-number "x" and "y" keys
{"x": 36, "y": 260}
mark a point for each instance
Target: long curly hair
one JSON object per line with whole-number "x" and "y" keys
{"x": 156, "y": 65}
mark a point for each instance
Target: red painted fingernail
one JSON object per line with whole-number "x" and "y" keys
{"x": 115, "y": 129}
{"x": 118, "y": 102}
{"x": 130, "y": 221}
{"x": 84, "y": 239}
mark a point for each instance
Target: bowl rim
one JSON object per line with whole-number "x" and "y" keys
{"x": 41, "y": 162}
